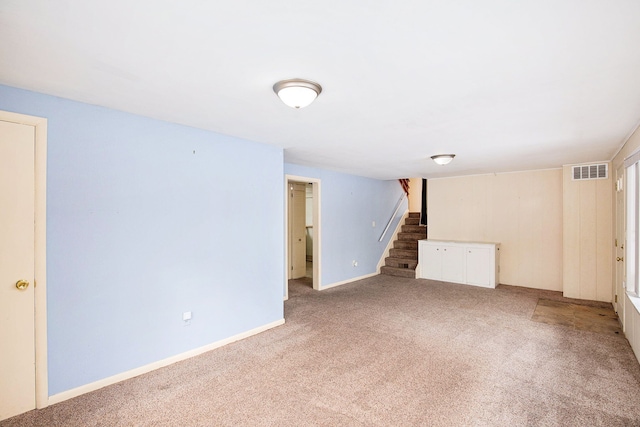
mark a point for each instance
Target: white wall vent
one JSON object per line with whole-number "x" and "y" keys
{"x": 582, "y": 172}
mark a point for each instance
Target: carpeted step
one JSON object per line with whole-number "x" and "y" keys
{"x": 401, "y": 263}
{"x": 400, "y": 272}
{"x": 414, "y": 229}
{"x": 403, "y": 257}
{"x": 405, "y": 244}
{"x": 411, "y": 236}
{"x": 404, "y": 253}
{"x": 412, "y": 221}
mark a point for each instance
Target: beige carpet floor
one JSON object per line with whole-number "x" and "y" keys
{"x": 385, "y": 351}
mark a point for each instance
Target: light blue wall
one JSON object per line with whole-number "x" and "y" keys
{"x": 349, "y": 206}
{"x": 140, "y": 229}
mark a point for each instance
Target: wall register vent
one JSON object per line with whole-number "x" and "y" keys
{"x": 583, "y": 172}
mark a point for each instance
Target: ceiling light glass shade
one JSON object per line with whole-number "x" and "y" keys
{"x": 297, "y": 93}
{"x": 443, "y": 159}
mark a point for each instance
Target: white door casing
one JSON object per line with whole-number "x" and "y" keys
{"x": 23, "y": 366}
{"x": 620, "y": 243}
{"x": 297, "y": 230}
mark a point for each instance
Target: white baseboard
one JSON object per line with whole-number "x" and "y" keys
{"x": 344, "y": 282}
{"x": 69, "y": 394}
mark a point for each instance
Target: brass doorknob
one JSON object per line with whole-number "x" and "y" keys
{"x": 619, "y": 259}
{"x": 22, "y": 284}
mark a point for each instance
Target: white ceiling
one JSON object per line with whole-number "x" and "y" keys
{"x": 505, "y": 85}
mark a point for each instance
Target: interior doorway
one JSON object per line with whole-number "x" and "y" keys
{"x": 302, "y": 231}
{"x": 297, "y": 225}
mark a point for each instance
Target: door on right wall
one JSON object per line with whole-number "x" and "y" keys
{"x": 620, "y": 243}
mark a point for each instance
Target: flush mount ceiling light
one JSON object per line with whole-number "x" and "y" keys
{"x": 297, "y": 93}
{"x": 443, "y": 159}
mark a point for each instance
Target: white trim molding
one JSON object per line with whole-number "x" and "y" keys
{"x": 344, "y": 282}
{"x": 87, "y": 388}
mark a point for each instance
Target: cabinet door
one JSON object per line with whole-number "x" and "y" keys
{"x": 453, "y": 264}
{"x": 431, "y": 262}
{"x": 479, "y": 265}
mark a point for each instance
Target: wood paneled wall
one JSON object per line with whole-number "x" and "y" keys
{"x": 587, "y": 237}
{"x": 520, "y": 210}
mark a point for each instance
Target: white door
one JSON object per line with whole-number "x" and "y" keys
{"x": 619, "y": 293}
{"x": 453, "y": 264}
{"x": 17, "y": 328}
{"x": 297, "y": 230}
{"x": 479, "y": 266}
{"x": 431, "y": 262}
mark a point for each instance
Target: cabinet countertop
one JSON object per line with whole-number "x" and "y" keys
{"x": 465, "y": 242}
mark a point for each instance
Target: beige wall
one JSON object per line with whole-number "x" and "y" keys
{"x": 522, "y": 211}
{"x": 415, "y": 194}
{"x": 587, "y": 237}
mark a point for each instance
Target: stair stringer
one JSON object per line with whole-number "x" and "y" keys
{"x": 393, "y": 238}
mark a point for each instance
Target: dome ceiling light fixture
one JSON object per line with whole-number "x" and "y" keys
{"x": 443, "y": 159}
{"x": 297, "y": 93}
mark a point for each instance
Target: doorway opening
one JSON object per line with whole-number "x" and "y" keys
{"x": 302, "y": 232}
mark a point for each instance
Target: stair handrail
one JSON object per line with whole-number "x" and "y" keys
{"x": 392, "y": 217}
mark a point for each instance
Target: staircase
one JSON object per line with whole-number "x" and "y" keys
{"x": 403, "y": 257}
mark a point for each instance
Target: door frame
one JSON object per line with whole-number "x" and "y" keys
{"x": 40, "y": 249}
{"x": 315, "y": 185}
{"x": 620, "y": 235}
{"x": 298, "y": 189}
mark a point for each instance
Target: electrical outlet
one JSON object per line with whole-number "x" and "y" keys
{"x": 373, "y": 224}
{"x": 186, "y": 318}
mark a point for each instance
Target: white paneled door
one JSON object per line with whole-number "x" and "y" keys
{"x": 452, "y": 259}
{"x": 17, "y": 329}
